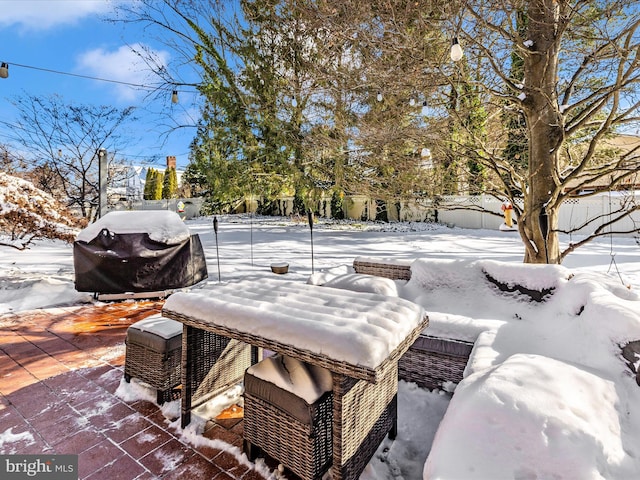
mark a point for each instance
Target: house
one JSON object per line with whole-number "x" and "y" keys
{"x": 128, "y": 180}
{"x": 617, "y": 146}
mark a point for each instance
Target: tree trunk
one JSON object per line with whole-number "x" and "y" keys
{"x": 546, "y": 131}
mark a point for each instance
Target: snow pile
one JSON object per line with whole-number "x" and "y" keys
{"x": 27, "y": 213}
{"x": 361, "y": 329}
{"x": 546, "y": 393}
{"x": 33, "y": 292}
{"x": 305, "y": 381}
{"x": 162, "y": 226}
{"x": 363, "y": 283}
{"x": 533, "y": 417}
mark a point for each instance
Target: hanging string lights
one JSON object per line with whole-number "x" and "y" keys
{"x": 456, "y": 50}
{"x": 456, "y": 53}
{"x": 4, "y": 73}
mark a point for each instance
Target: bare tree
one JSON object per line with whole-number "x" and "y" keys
{"x": 62, "y": 141}
{"x": 578, "y": 84}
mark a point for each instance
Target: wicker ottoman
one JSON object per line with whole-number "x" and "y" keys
{"x": 154, "y": 354}
{"x": 431, "y": 362}
{"x": 278, "y": 421}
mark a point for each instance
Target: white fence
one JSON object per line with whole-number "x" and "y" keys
{"x": 484, "y": 212}
{"x": 574, "y": 214}
{"x": 477, "y": 212}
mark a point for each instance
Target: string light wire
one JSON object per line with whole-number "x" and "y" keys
{"x": 89, "y": 77}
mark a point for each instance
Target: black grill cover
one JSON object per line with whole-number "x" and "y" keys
{"x": 133, "y": 262}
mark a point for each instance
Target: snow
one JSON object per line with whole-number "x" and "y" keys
{"x": 8, "y": 439}
{"x": 27, "y": 292}
{"x": 306, "y": 381}
{"x": 38, "y": 213}
{"x": 163, "y": 226}
{"x": 13, "y": 192}
{"x": 549, "y": 419}
{"x": 528, "y": 43}
{"x": 355, "y": 328}
{"x": 546, "y": 393}
{"x": 363, "y": 283}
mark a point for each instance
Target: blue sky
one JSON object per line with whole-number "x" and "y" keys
{"x": 72, "y": 36}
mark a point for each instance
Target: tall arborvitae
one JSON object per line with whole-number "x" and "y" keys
{"x": 148, "y": 184}
{"x": 158, "y": 179}
{"x": 170, "y": 183}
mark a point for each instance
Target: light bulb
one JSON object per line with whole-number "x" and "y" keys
{"x": 379, "y": 97}
{"x": 4, "y": 70}
{"x": 456, "y": 50}
{"x": 424, "y": 108}
{"x": 174, "y": 96}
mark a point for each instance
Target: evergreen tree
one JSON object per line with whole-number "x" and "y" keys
{"x": 302, "y": 95}
{"x": 158, "y": 180}
{"x": 148, "y": 184}
{"x": 170, "y": 183}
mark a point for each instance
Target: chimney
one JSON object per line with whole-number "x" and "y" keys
{"x": 171, "y": 161}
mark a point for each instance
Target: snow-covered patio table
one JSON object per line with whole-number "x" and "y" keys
{"x": 357, "y": 336}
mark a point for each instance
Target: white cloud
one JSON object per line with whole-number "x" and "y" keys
{"x": 39, "y": 15}
{"x": 122, "y": 65}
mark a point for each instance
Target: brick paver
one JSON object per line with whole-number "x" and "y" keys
{"x": 59, "y": 370}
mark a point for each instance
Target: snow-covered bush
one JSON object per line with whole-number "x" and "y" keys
{"x": 28, "y": 214}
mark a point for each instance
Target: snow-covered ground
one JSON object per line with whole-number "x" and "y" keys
{"x": 546, "y": 394}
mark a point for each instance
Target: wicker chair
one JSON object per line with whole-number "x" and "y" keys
{"x": 431, "y": 361}
{"x": 394, "y": 271}
{"x": 285, "y": 426}
{"x": 153, "y": 354}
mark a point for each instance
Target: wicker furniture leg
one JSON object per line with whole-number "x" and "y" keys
{"x": 363, "y": 414}
{"x": 211, "y": 363}
{"x": 188, "y": 369}
{"x": 252, "y": 451}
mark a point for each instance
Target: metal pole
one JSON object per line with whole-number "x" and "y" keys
{"x": 251, "y": 221}
{"x": 215, "y": 230}
{"x": 102, "y": 182}
{"x": 310, "y": 219}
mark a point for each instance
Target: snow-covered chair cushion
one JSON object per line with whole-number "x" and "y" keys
{"x": 364, "y": 283}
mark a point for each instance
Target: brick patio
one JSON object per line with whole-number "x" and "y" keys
{"x": 59, "y": 369}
